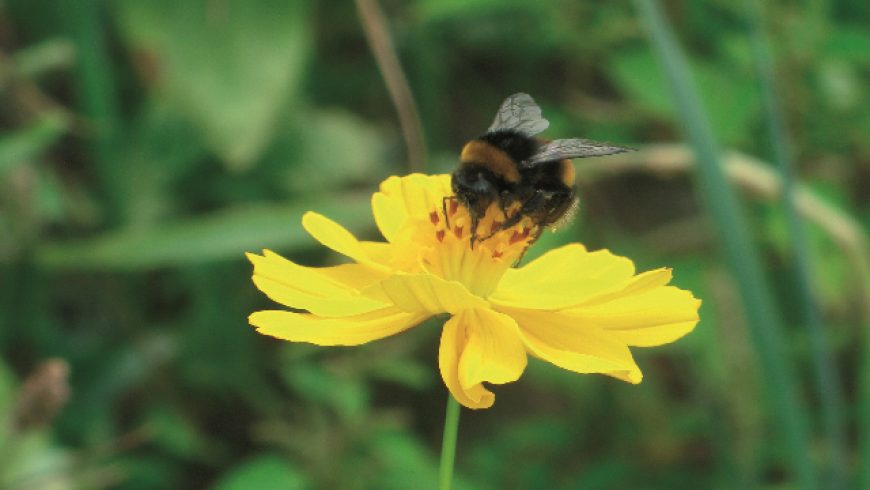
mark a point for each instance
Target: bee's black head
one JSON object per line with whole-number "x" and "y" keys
{"x": 476, "y": 187}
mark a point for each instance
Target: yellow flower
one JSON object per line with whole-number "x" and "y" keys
{"x": 577, "y": 309}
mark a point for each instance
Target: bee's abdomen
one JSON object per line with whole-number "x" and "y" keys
{"x": 567, "y": 175}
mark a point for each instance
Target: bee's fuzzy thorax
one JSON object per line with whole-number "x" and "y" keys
{"x": 496, "y": 160}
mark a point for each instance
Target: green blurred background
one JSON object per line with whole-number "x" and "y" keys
{"x": 146, "y": 145}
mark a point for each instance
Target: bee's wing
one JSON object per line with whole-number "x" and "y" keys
{"x": 519, "y": 112}
{"x": 572, "y": 148}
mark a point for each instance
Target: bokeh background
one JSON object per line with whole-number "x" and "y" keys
{"x": 146, "y": 145}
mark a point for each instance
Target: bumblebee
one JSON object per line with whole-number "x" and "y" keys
{"x": 525, "y": 175}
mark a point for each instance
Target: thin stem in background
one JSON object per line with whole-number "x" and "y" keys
{"x": 742, "y": 258}
{"x": 756, "y": 178}
{"x": 827, "y": 378}
{"x": 448, "y": 446}
{"x": 378, "y": 37}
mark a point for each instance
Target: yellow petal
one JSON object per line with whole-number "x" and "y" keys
{"x": 328, "y": 291}
{"x": 560, "y": 340}
{"x": 355, "y": 276}
{"x": 388, "y": 216}
{"x": 454, "y": 338}
{"x": 493, "y": 350}
{"x": 336, "y": 237}
{"x": 335, "y": 306}
{"x": 563, "y": 277}
{"x": 644, "y": 281}
{"x": 379, "y": 252}
{"x": 401, "y": 197}
{"x": 353, "y": 330}
{"x": 641, "y": 317}
{"x": 424, "y": 293}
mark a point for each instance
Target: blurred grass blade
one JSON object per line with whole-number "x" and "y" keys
{"x": 48, "y": 55}
{"x": 224, "y": 235}
{"x": 827, "y": 377}
{"x": 97, "y": 98}
{"x": 742, "y": 259}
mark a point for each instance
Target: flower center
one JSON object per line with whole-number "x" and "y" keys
{"x": 495, "y": 248}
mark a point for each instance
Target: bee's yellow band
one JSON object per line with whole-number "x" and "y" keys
{"x": 486, "y": 155}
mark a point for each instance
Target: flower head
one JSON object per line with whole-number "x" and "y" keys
{"x": 577, "y": 309}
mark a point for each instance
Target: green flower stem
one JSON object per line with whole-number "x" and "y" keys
{"x": 448, "y": 446}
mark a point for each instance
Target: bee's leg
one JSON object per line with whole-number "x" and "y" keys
{"x": 538, "y": 232}
{"x": 529, "y": 206}
{"x": 512, "y": 220}
{"x": 546, "y": 209}
{"x": 503, "y": 203}
{"x": 559, "y": 210}
{"x": 444, "y": 209}
{"x": 475, "y": 220}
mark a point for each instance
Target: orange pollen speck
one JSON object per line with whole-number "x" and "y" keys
{"x": 440, "y": 235}
{"x": 496, "y": 225}
{"x": 458, "y": 231}
{"x": 497, "y": 254}
{"x": 454, "y": 206}
{"x": 433, "y": 217}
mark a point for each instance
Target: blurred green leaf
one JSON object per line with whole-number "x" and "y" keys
{"x": 49, "y": 198}
{"x": 33, "y": 461}
{"x": 731, "y": 100}
{"x": 404, "y": 372}
{"x": 7, "y": 394}
{"x": 174, "y": 433}
{"x": 440, "y": 10}
{"x": 849, "y": 43}
{"x": 228, "y": 65}
{"x": 330, "y": 148}
{"x": 98, "y": 381}
{"x": 28, "y": 143}
{"x": 637, "y": 74}
{"x": 401, "y": 459}
{"x": 266, "y": 471}
{"x": 536, "y": 441}
{"x": 841, "y": 85}
{"x": 148, "y": 471}
{"x": 346, "y": 394}
{"x": 831, "y": 269}
{"x": 223, "y": 235}
{"x": 160, "y": 148}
